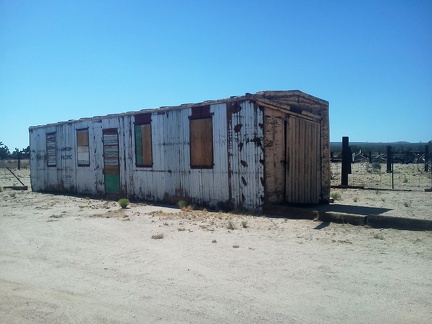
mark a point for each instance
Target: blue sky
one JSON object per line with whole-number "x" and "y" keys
{"x": 372, "y": 60}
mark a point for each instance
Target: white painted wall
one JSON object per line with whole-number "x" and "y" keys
{"x": 171, "y": 177}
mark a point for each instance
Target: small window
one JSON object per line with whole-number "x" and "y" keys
{"x": 143, "y": 140}
{"x": 83, "y": 150}
{"x": 51, "y": 148}
{"x": 201, "y": 138}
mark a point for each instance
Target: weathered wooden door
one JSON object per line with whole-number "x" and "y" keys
{"x": 303, "y": 171}
{"x": 111, "y": 161}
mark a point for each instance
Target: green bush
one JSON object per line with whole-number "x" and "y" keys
{"x": 335, "y": 195}
{"x": 181, "y": 204}
{"x": 123, "y": 202}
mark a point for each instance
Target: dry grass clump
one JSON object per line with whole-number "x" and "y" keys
{"x": 231, "y": 225}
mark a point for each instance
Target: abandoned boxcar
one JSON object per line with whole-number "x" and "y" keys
{"x": 271, "y": 147}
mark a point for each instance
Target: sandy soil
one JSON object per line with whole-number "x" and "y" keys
{"x": 409, "y": 198}
{"x": 80, "y": 260}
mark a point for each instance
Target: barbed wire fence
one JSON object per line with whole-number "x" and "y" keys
{"x": 410, "y": 171}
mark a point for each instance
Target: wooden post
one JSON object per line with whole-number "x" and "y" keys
{"x": 427, "y": 157}
{"x": 346, "y": 160}
{"x": 390, "y": 164}
{"x": 19, "y": 160}
{"x": 389, "y": 159}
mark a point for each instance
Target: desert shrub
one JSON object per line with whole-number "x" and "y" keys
{"x": 374, "y": 167}
{"x": 12, "y": 194}
{"x": 244, "y": 224}
{"x": 157, "y": 237}
{"x": 181, "y": 204}
{"x": 335, "y": 195}
{"x": 378, "y": 236}
{"x": 231, "y": 225}
{"x": 123, "y": 202}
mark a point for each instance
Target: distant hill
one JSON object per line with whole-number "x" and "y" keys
{"x": 400, "y": 146}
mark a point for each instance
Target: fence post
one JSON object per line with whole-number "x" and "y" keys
{"x": 19, "y": 160}
{"x": 390, "y": 164}
{"x": 346, "y": 160}
{"x": 426, "y": 166}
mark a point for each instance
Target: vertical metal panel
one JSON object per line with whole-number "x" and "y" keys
{"x": 303, "y": 179}
{"x": 274, "y": 155}
{"x": 171, "y": 177}
{"x": 246, "y": 155}
{"x": 37, "y": 158}
{"x": 111, "y": 161}
{"x": 325, "y": 154}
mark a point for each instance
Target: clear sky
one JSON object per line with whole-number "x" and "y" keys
{"x": 372, "y": 60}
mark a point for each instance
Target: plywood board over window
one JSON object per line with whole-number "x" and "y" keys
{"x": 51, "y": 149}
{"x": 83, "y": 150}
{"x": 143, "y": 141}
{"x": 201, "y": 138}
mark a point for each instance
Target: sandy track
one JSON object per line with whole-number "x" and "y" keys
{"x": 62, "y": 260}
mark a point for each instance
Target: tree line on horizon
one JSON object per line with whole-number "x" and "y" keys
{"x": 397, "y": 147}
{"x": 5, "y": 153}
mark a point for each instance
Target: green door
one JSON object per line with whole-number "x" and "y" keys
{"x": 111, "y": 161}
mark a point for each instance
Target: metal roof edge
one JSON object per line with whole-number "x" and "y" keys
{"x": 267, "y": 94}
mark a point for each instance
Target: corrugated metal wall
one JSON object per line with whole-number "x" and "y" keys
{"x": 171, "y": 178}
{"x": 246, "y": 154}
{"x": 237, "y": 143}
{"x": 275, "y": 164}
{"x": 67, "y": 176}
{"x": 303, "y": 178}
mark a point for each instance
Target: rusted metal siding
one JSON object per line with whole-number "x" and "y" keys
{"x": 325, "y": 154}
{"x": 246, "y": 157}
{"x": 274, "y": 144}
{"x": 303, "y": 169}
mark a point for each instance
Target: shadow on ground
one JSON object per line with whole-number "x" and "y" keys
{"x": 349, "y": 209}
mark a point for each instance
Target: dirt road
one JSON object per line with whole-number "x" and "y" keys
{"x": 67, "y": 259}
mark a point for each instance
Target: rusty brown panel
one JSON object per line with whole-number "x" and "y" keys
{"x": 111, "y": 169}
{"x": 146, "y": 144}
{"x": 141, "y": 119}
{"x": 201, "y": 112}
{"x": 274, "y": 152}
{"x": 325, "y": 155}
{"x": 201, "y": 142}
{"x": 303, "y": 179}
{"x": 82, "y": 137}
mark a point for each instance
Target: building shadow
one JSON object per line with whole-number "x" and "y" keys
{"x": 350, "y": 209}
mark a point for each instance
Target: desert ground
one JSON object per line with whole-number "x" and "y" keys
{"x": 66, "y": 259}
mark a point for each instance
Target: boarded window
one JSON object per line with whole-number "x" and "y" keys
{"x": 51, "y": 148}
{"x": 83, "y": 152}
{"x": 201, "y": 138}
{"x": 143, "y": 141}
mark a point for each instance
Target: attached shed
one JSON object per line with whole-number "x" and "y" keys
{"x": 271, "y": 147}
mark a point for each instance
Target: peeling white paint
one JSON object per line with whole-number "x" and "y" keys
{"x": 237, "y": 178}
